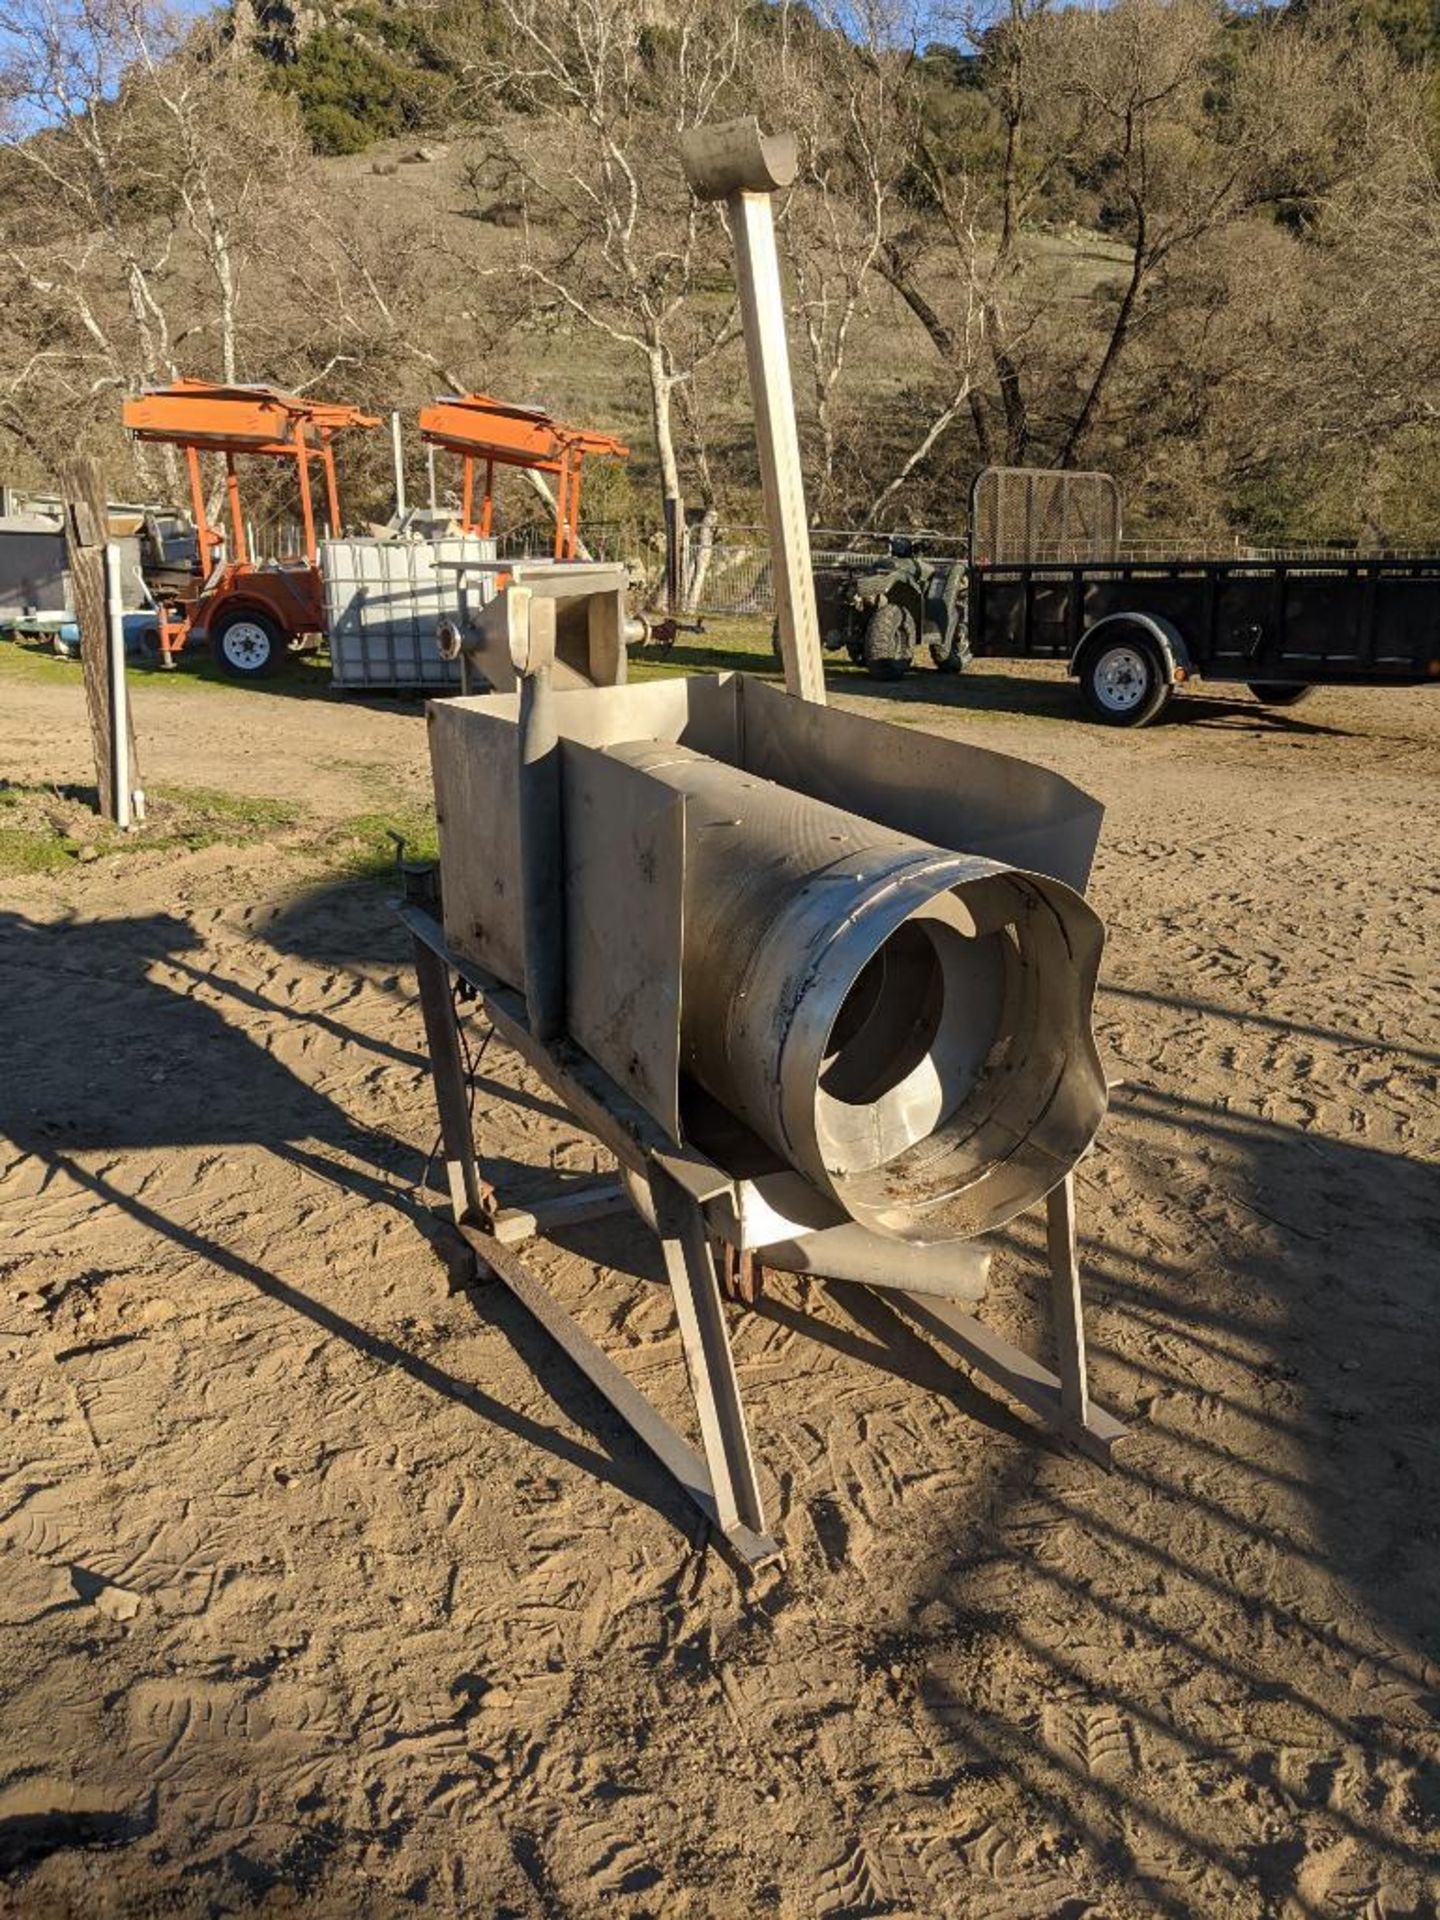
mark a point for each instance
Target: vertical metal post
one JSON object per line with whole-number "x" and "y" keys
{"x": 763, "y": 308}
{"x": 430, "y": 475}
{"x": 237, "y": 513}
{"x": 1065, "y": 1295}
{"x": 332, "y": 486}
{"x": 541, "y": 848}
{"x": 123, "y": 806}
{"x": 397, "y": 456}
{"x": 307, "y": 509}
{"x": 736, "y": 163}
{"x": 205, "y": 539}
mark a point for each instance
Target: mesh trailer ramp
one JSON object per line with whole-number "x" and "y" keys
{"x": 385, "y": 600}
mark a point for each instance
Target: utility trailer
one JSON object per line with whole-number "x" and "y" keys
{"x": 1048, "y": 579}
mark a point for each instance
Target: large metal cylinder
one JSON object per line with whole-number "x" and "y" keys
{"x": 908, "y": 1027}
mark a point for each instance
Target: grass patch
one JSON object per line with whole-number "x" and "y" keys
{"x": 726, "y": 646}
{"x": 362, "y": 848}
{"x": 45, "y": 829}
{"x": 304, "y": 675}
{"x": 196, "y": 817}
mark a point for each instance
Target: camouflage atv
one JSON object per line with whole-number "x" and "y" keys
{"x": 880, "y": 611}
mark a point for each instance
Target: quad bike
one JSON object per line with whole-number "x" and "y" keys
{"x": 880, "y": 611}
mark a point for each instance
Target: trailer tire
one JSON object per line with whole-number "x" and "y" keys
{"x": 247, "y": 644}
{"x": 889, "y": 643}
{"x": 1124, "y": 681}
{"x": 1278, "y": 693}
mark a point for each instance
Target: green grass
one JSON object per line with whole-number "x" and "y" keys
{"x": 197, "y": 817}
{"x": 36, "y": 662}
{"x": 45, "y": 829}
{"x": 726, "y": 646}
{"x": 361, "y": 847}
{"x": 32, "y": 850}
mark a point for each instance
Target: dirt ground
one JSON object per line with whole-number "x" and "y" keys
{"x": 326, "y": 1590}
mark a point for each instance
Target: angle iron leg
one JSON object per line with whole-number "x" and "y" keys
{"x": 469, "y": 1195}
{"x": 690, "y": 1265}
{"x": 1065, "y": 1295}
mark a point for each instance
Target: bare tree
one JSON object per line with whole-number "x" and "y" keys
{"x": 589, "y": 103}
{"x": 1178, "y": 125}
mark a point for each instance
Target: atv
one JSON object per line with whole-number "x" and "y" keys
{"x": 880, "y": 611}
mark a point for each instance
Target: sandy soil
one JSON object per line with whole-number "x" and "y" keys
{"x": 327, "y": 1590}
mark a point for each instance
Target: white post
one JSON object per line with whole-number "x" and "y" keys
{"x": 430, "y": 474}
{"x": 397, "y": 454}
{"x": 128, "y": 806}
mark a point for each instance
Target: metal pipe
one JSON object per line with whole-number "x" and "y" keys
{"x": 736, "y": 163}
{"x": 397, "y": 456}
{"x": 906, "y": 1026}
{"x": 120, "y": 797}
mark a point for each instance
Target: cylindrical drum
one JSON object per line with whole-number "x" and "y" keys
{"x": 908, "y": 1027}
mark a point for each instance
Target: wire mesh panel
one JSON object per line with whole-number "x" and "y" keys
{"x": 1024, "y": 515}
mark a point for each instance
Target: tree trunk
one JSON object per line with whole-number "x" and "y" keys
{"x": 700, "y": 551}
{"x": 662, "y": 394}
{"x": 1119, "y": 334}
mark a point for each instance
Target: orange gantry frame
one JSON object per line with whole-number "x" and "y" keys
{"x": 199, "y": 417}
{"x": 481, "y": 428}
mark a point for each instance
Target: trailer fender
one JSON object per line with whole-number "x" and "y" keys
{"x": 1166, "y": 635}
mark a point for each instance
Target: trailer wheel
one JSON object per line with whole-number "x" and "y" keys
{"x": 1278, "y": 693}
{"x": 889, "y": 643}
{"x": 247, "y": 644}
{"x": 1124, "y": 681}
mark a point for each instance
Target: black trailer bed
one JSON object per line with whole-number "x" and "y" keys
{"x": 1362, "y": 621}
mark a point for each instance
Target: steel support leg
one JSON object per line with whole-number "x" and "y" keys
{"x": 468, "y": 1193}
{"x": 690, "y": 1266}
{"x": 1065, "y": 1294}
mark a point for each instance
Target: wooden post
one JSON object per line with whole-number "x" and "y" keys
{"x": 86, "y": 531}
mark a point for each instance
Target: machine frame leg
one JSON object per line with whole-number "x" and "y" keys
{"x": 690, "y": 1267}
{"x": 1060, "y": 1399}
{"x": 470, "y": 1197}
{"x": 722, "y": 1484}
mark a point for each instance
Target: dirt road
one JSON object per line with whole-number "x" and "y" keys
{"x": 324, "y": 1590}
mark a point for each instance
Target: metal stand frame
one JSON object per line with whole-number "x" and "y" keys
{"x": 721, "y": 1480}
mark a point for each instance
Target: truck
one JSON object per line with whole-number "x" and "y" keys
{"x": 1046, "y": 576}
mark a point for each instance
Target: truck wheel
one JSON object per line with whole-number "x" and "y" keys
{"x": 248, "y": 645}
{"x": 889, "y": 643}
{"x": 1278, "y": 693}
{"x": 1123, "y": 681}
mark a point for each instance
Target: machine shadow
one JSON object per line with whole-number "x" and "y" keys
{"x": 1242, "y": 1618}
{"x": 145, "y": 1068}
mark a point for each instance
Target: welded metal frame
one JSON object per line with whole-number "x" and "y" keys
{"x": 693, "y": 1199}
